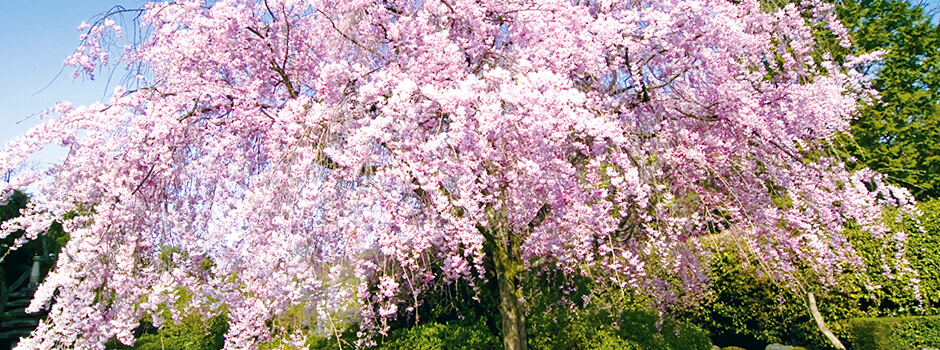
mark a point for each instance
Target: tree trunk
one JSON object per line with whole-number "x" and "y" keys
{"x": 822, "y": 324}
{"x": 514, "y": 337}
{"x": 504, "y": 249}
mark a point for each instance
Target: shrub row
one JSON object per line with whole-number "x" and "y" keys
{"x": 893, "y": 333}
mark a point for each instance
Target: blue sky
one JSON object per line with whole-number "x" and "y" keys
{"x": 35, "y": 38}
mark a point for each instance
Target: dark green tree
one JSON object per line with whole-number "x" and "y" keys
{"x": 18, "y": 261}
{"x": 16, "y": 267}
{"x": 900, "y": 136}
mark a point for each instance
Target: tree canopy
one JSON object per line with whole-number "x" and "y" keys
{"x": 898, "y": 135}
{"x": 337, "y": 157}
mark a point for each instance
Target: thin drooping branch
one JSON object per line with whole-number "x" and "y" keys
{"x": 354, "y": 41}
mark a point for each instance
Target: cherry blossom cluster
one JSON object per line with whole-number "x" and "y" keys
{"x": 339, "y": 156}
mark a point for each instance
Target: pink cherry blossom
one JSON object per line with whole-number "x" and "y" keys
{"x": 337, "y": 155}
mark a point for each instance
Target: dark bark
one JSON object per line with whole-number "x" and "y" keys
{"x": 503, "y": 247}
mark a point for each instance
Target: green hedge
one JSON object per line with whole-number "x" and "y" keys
{"x": 890, "y": 333}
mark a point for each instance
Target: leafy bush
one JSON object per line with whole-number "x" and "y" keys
{"x": 437, "y": 336}
{"x": 192, "y": 333}
{"x": 547, "y": 331}
{"x": 426, "y": 336}
{"x": 347, "y": 338}
{"x": 752, "y": 311}
{"x": 924, "y": 254}
{"x": 746, "y": 309}
{"x": 615, "y": 328}
{"x": 893, "y": 333}
{"x": 571, "y": 311}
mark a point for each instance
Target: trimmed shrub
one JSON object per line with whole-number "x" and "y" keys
{"x": 893, "y": 333}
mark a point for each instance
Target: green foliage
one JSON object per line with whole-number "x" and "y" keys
{"x": 191, "y": 333}
{"x": 464, "y": 334}
{"x": 895, "y": 295}
{"x": 892, "y": 294}
{"x": 20, "y": 261}
{"x": 452, "y": 303}
{"x": 574, "y": 311}
{"x": 16, "y": 202}
{"x": 893, "y": 333}
{"x": 635, "y": 328}
{"x": 901, "y": 136}
{"x": 194, "y": 331}
{"x": 347, "y": 339}
{"x": 605, "y": 319}
{"x": 585, "y": 333}
{"x": 450, "y": 315}
{"x": 924, "y": 254}
{"x": 437, "y": 336}
{"x": 457, "y": 316}
{"x": 750, "y": 310}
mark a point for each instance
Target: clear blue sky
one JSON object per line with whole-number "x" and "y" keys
{"x": 35, "y": 37}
